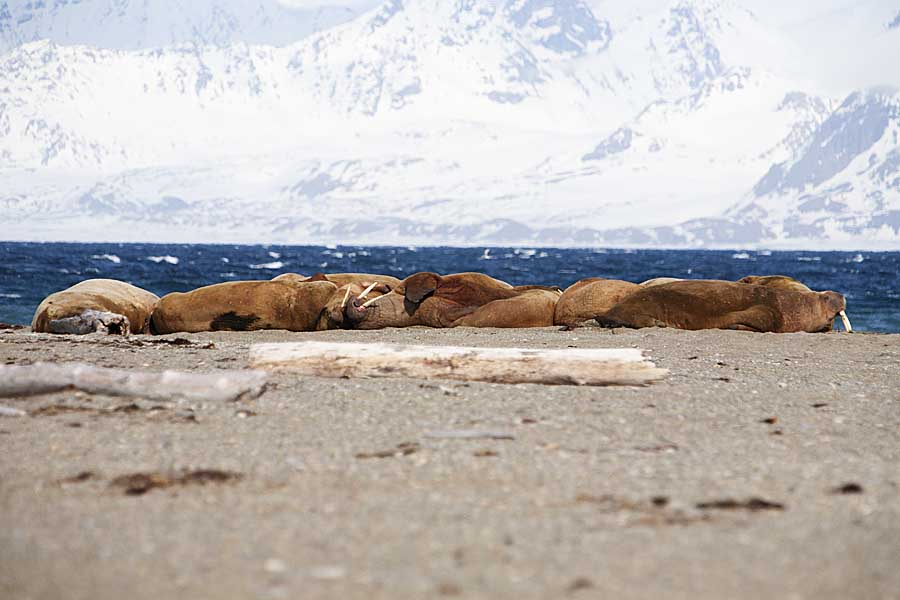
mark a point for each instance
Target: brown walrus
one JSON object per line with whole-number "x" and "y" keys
{"x": 246, "y": 306}
{"x": 102, "y": 305}
{"x": 462, "y": 299}
{"x": 340, "y": 279}
{"x": 585, "y": 299}
{"x": 705, "y": 304}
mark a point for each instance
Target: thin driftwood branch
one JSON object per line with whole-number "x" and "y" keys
{"x": 46, "y": 378}
{"x": 498, "y": 365}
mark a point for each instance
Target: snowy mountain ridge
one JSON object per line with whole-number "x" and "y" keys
{"x": 533, "y": 122}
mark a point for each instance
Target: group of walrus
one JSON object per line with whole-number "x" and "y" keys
{"x": 320, "y": 302}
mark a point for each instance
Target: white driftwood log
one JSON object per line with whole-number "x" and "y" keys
{"x": 46, "y": 378}
{"x": 497, "y": 365}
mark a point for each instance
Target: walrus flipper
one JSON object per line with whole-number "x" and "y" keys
{"x": 92, "y": 321}
{"x": 613, "y": 323}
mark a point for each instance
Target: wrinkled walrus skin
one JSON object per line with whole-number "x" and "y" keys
{"x": 585, "y": 299}
{"x": 781, "y": 282}
{"x": 463, "y": 299}
{"x": 245, "y": 306}
{"x": 705, "y": 304}
{"x": 96, "y": 296}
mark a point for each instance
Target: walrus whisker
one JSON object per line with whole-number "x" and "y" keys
{"x": 346, "y": 297}
{"x": 372, "y": 301}
{"x": 366, "y": 291}
{"x": 846, "y": 321}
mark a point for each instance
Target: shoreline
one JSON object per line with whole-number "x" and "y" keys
{"x": 736, "y": 476}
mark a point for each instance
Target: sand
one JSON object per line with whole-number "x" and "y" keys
{"x": 765, "y": 466}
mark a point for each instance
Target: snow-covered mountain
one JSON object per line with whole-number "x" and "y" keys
{"x": 663, "y": 122}
{"x": 843, "y": 183}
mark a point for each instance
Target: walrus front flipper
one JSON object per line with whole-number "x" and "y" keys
{"x": 759, "y": 319}
{"x": 91, "y": 321}
{"x": 420, "y": 286}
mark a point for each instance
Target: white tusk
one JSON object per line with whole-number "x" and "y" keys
{"x": 346, "y": 297}
{"x": 366, "y": 291}
{"x": 846, "y": 322}
{"x": 373, "y": 300}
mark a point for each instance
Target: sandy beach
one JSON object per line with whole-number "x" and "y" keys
{"x": 765, "y": 465}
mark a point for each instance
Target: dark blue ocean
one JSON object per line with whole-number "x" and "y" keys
{"x": 30, "y": 271}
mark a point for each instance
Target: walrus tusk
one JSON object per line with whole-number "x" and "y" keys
{"x": 846, "y": 322}
{"x": 346, "y": 297}
{"x": 366, "y": 291}
{"x": 373, "y": 300}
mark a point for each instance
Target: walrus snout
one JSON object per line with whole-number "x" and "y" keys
{"x": 356, "y": 310}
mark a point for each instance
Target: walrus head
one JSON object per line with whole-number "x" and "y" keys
{"x": 836, "y": 306}
{"x": 349, "y": 305}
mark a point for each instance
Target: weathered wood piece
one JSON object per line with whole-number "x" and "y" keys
{"x": 47, "y": 378}
{"x": 497, "y": 365}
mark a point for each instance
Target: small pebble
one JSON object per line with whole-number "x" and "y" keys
{"x": 275, "y": 565}
{"x": 329, "y": 572}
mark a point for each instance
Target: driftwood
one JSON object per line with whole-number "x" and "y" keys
{"x": 497, "y": 365}
{"x": 47, "y": 378}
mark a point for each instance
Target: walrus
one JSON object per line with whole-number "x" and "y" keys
{"x": 341, "y": 279}
{"x": 96, "y": 305}
{"x": 585, "y": 299}
{"x": 708, "y": 304}
{"x": 462, "y": 299}
{"x": 246, "y": 306}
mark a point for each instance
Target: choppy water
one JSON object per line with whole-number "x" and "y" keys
{"x": 31, "y": 271}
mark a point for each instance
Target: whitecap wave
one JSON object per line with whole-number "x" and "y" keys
{"x": 172, "y": 260}
{"x": 809, "y": 258}
{"x": 13, "y": 296}
{"x": 275, "y": 255}
{"x": 110, "y": 257}
{"x": 269, "y": 265}
{"x": 740, "y": 256}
